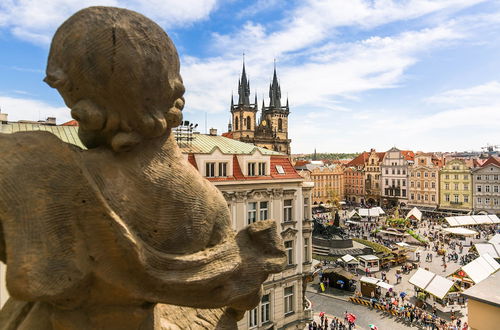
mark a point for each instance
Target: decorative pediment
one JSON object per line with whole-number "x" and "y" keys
{"x": 289, "y": 233}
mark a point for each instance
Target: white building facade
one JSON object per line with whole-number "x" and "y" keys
{"x": 394, "y": 176}
{"x": 259, "y": 184}
{"x": 486, "y": 182}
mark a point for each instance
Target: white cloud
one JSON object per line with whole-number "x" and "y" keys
{"x": 485, "y": 94}
{"x": 32, "y": 109}
{"x": 36, "y": 21}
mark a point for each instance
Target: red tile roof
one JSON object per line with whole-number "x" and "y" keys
{"x": 359, "y": 160}
{"x": 408, "y": 154}
{"x": 301, "y": 162}
{"x": 192, "y": 160}
{"x": 70, "y": 123}
{"x": 284, "y": 161}
{"x": 228, "y": 135}
{"x": 492, "y": 160}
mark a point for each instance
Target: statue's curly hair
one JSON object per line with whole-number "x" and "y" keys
{"x": 118, "y": 72}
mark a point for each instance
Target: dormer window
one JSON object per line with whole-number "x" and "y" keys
{"x": 262, "y": 168}
{"x": 210, "y": 170}
{"x": 215, "y": 169}
{"x": 251, "y": 169}
{"x": 280, "y": 169}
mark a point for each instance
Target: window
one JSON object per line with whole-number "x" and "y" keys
{"x": 386, "y": 182}
{"x": 466, "y": 198}
{"x": 433, "y": 174}
{"x": 455, "y": 176}
{"x": 210, "y": 170}
{"x": 306, "y": 249}
{"x": 386, "y": 171}
{"x": 447, "y": 186}
{"x": 262, "y": 168}
{"x": 404, "y": 183}
{"x": 236, "y": 123}
{"x": 433, "y": 198}
{"x": 265, "y": 308}
{"x": 404, "y": 172}
{"x": 280, "y": 169}
{"x": 426, "y": 197}
{"x": 479, "y": 200}
{"x": 446, "y": 176}
{"x": 447, "y": 197}
{"x": 263, "y": 207}
{"x": 399, "y": 171}
{"x": 466, "y": 177}
{"x": 412, "y": 184}
{"x": 487, "y": 200}
{"x": 288, "y": 300}
{"x": 487, "y": 188}
{"x": 222, "y": 169}
{"x": 433, "y": 185}
{"x": 287, "y": 210}
{"x": 495, "y": 189}
{"x": 306, "y": 209}
{"x": 479, "y": 177}
{"x": 495, "y": 201}
{"x": 280, "y": 124}
{"x": 249, "y": 123}
{"x": 412, "y": 196}
{"x": 455, "y": 198}
{"x": 426, "y": 174}
{"x": 251, "y": 212}
{"x": 289, "y": 252}
{"x": 418, "y": 184}
{"x": 403, "y": 191}
{"x": 251, "y": 169}
{"x": 393, "y": 171}
{"x": 495, "y": 177}
{"x": 456, "y": 186}
{"x": 466, "y": 186}
{"x": 252, "y": 318}
{"x": 418, "y": 174}
{"x": 478, "y": 188}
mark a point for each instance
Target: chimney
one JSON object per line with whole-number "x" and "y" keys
{"x": 213, "y": 132}
{"x": 50, "y": 121}
{"x": 3, "y": 118}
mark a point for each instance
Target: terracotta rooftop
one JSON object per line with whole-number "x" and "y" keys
{"x": 70, "y": 123}
{"x": 491, "y": 160}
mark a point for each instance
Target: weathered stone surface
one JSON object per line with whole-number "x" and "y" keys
{"x": 102, "y": 238}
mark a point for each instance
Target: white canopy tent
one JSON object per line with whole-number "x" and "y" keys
{"x": 488, "y": 248}
{"x": 414, "y": 214}
{"x": 353, "y": 214}
{"x": 376, "y": 281}
{"x": 469, "y": 220}
{"x": 434, "y": 284}
{"x": 348, "y": 259}
{"x": 495, "y": 239}
{"x": 373, "y": 212}
{"x": 460, "y": 231}
{"x": 481, "y": 268}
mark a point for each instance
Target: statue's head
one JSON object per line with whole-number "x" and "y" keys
{"x": 118, "y": 72}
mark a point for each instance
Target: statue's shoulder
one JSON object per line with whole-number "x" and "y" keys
{"x": 35, "y": 150}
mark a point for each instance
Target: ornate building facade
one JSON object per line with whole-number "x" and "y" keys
{"x": 354, "y": 184}
{"x": 455, "y": 186}
{"x": 486, "y": 180}
{"x": 270, "y": 131}
{"x": 424, "y": 182}
{"x": 394, "y": 176}
{"x": 369, "y": 163}
{"x": 328, "y": 182}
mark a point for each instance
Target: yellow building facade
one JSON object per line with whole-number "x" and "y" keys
{"x": 455, "y": 186}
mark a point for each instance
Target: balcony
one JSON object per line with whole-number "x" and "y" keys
{"x": 456, "y": 203}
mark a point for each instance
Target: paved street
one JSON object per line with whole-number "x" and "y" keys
{"x": 365, "y": 315}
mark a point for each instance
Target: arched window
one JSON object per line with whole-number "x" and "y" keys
{"x": 249, "y": 123}
{"x": 280, "y": 124}
{"x": 236, "y": 123}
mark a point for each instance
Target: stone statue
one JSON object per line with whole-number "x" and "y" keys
{"x": 126, "y": 234}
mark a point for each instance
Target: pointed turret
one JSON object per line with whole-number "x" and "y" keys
{"x": 232, "y": 101}
{"x": 256, "y": 105}
{"x": 244, "y": 88}
{"x": 275, "y": 91}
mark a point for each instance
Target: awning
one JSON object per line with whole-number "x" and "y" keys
{"x": 488, "y": 248}
{"x": 348, "y": 259}
{"x": 373, "y": 212}
{"x": 385, "y": 285}
{"x": 495, "y": 239}
{"x": 414, "y": 214}
{"x": 480, "y": 268}
{"x": 432, "y": 283}
{"x": 369, "y": 257}
{"x": 469, "y": 220}
{"x": 460, "y": 231}
{"x": 371, "y": 280}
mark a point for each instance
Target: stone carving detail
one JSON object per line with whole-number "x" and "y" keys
{"x": 121, "y": 235}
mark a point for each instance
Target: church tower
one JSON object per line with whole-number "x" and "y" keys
{"x": 273, "y": 126}
{"x": 243, "y": 114}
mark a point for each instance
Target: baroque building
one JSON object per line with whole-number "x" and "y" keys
{"x": 455, "y": 187}
{"x": 424, "y": 182}
{"x": 270, "y": 131}
{"x": 328, "y": 182}
{"x": 394, "y": 176}
{"x": 369, "y": 163}
{"x": 486, "y": 180}
{"x": 354, "y": 185}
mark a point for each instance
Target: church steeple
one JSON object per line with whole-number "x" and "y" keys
{"x": 275, "y": 91}
{"x": 244, "y": 88}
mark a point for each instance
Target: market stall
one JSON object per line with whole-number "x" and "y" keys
{"x": 476, "y": 271}
{"x": 340, "y": 278}
{"x": 375, "y": 286}
{"x": 462, "y": 233}
{"x": 436, "y": 288}
{"x": 348, "y": 262}
{"x": 492, "y": 249}
{"x": 470, "y": 220}
{"x": 370, "y": 262}
{"x": 415, "y": 215}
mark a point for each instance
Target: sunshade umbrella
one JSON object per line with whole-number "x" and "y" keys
{"x": 340, "y": 282}
{"x": 402, "y": 294}
{"x": 351, "y": 318}
{"x": 373, "y": 326}
{"x": 321, "y": 314}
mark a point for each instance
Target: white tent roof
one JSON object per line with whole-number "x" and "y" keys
{"x": 371, "y": 280}
{"x": 460, "y": 231}
{"x": 480, "y": 268}
{"x": 352, "y": 213}
{"x": 488, "y": 248}
{"x": 373, "y": 212}
{"x": 468, "y": 220}
{"x": 416, "y": 213}
{"x": 434, "y": 284}
{"x": 385, "y": 285}
{"x": 349, "y": 259}
{"x": 403, "y": 244}
{"x": 495, "y": 239}
{"x": 379, "y": 209}
{"x": 369, "y": 257}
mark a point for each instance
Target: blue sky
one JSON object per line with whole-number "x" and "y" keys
{"x": 416, "y": 74}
